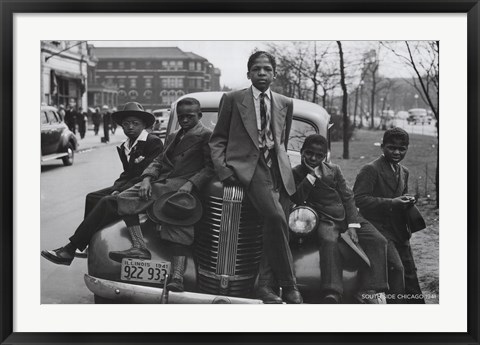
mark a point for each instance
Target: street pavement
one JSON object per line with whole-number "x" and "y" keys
{"x": 92, "y": 141}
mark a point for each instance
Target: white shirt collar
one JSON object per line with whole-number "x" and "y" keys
{"x": 142, "y": 137}
{"x": 257, "y": 92}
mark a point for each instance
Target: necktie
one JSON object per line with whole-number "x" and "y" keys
{"x": 396, "y": 169}
{"x": 264, "y": 129}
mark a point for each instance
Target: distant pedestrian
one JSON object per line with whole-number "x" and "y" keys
{"x": 96, "y": 119}
{"x": 82, "y": 122}
{"x": 113, "y": 123}
{"x": 61, "y": 111}
{"x": 70, "y": 118}
{"x": 107, "y": 121}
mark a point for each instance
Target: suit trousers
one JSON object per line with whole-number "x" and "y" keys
{"x": 94, "y": 197}
{"x": 331, "y": 262}
{"x": 267, "y": 195}
{"x": 402, "y": 275}
{"x": 104, "y": 213}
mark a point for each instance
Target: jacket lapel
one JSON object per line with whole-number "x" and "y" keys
{"x": 123, "y": 157}
{"x": 248, "y": 115}
{"x": 388, "y": 175}
{"x": 278, "y": 115}
{"x": 188, "y": 140}
{"x": 327, "y": 178}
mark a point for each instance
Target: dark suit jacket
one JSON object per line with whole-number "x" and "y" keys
{"x": 189, "y": 159}
{"x": 329, "y": 196}
{"x": 374, "y": 189}
{"x": 134, "y": 167}
{"x": 234, "y": 142}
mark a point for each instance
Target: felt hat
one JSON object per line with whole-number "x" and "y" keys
{"x": 415, "y": 220}
{"x": 354, "y": 247}
{"x": 176, "y": 208}
{"x": 133, "y": 109}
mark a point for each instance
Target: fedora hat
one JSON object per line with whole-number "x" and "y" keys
{"x": 355, "y": 247}
{"x": 177, "y": 208}
{"x": 415, "y": 220}
{"x": 133, "y": 109}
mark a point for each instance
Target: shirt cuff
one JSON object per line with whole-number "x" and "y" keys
{"x": 354, "y": 225}
{"x": 311, "y": 178}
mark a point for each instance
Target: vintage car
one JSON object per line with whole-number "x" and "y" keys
{"x": 223, "y": 264}
{"x": 159, "y": 128}
{"x": 57, "y": 141}
{"x": 419, "y": 115}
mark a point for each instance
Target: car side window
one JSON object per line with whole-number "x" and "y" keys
{"x": 43, "y": 118}
{"x": 299, "y": 131}
{"x": 51, "y": 117}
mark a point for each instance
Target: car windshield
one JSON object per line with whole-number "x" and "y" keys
{"x": 418, "y": 112}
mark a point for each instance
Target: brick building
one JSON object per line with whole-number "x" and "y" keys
{"x": 152, "y": 76}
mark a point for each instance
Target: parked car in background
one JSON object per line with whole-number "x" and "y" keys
{"x": 57, "y": 141}
{"x": 418, "y": 115}
{"x": 223, "y": 263}
{"x": 159, "y": 128}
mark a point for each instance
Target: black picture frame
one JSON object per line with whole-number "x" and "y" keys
{"x": 11, "y": 7}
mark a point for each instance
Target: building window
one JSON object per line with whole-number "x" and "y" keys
{"x": 180, "y": 83}
{"x": 164, "y": 83}
{"x": 179, "y": 65}
{"x": 191, "y": 83}
{"x": 147, "y": 94}
{"x": 133, "y": 65}
{"x": 121, "y": 65}
{"x": 191, "y": 66}
{"x": 148, "y": 64}
{"x": 148, "y": 83}
{"x": 164, "y": 97}
{"x": 122, "y": 94}
{"x": 172, "y": 65}
{"x": 164, "y": 64}
{"x": 133, "y": 83}
{"x": 199, "y": 66}
{"x": 110, "y": 65}
{"x": 180, "y": 93}
{"x": 199, "y": 84}
{"x": 121, "y": 83}
{"x": 133, "y": 94}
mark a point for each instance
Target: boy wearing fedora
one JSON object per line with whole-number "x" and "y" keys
{"x": 321, "y": 185}
{"x": 170, "y": 184}
{"x": 136, "y": 153}
{"x": 381, "y": 189}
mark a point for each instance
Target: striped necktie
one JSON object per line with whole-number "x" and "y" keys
{"x": 264, "y": 129}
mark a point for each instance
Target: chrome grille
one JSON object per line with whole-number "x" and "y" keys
{"x": 228, "y": 244}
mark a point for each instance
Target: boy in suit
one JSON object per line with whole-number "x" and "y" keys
{"x": 381, "y": 190}
{"x": 184, "y": 165}
{"x": 322, "y": 186}
{"x": 249, "y": 148}
{"x": 136, "y": 153}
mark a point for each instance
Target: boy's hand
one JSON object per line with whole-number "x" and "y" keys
{"x": 352, "y": 232}
{"x": 402, "y": 201}
{"x": 145, "y": 191}
{"x": 187, "y": 187}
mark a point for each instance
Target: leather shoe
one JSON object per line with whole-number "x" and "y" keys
{"x": 291, "y": 295}
{"x": 132, "y": 253}
{"x": 58, "y": 256}
{"x": 331, "y": 298}
{"x": 266, "y": 294}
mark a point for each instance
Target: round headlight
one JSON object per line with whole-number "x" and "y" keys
{"x": 303, "y": 220}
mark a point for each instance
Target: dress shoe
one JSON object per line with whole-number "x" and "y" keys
{"x": 291, "y": 295}
{"x": 332, "y": 298}
{"x": 59, "y": 256}
{"x": 266, "y": 294}
{"x": 179, "y": 265}
{"x": 132, "y": 253}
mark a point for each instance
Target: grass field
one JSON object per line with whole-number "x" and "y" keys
{"x": 421, "y": 161}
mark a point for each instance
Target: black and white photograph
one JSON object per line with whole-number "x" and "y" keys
{"x": 239, "y": 172}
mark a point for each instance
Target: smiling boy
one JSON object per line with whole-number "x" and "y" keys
{"x": 381, "y": 190}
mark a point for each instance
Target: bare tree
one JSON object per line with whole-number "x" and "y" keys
{"x": 346, "y": 153}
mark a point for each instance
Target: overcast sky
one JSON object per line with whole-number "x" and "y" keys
{"x": 231, "y": 56}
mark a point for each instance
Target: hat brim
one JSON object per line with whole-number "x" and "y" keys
{"x": 148, "y": 118}
{"x": 355, "y": 247}
{"x": 415, "y": 220}
{"x": 155, "y": 212}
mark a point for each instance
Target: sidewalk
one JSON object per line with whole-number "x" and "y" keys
{"x": 92, "y": 141}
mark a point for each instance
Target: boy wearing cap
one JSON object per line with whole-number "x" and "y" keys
{"x": 185, "y": 166}
{"x": 381, "y": 189}
{"x": 321, "y": 185}
{"x": 136, "y": 153}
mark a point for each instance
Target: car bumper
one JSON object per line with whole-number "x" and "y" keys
{"x": 137, "y": 294}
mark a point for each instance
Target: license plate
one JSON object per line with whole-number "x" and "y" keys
{"x": 146, "y": 271}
